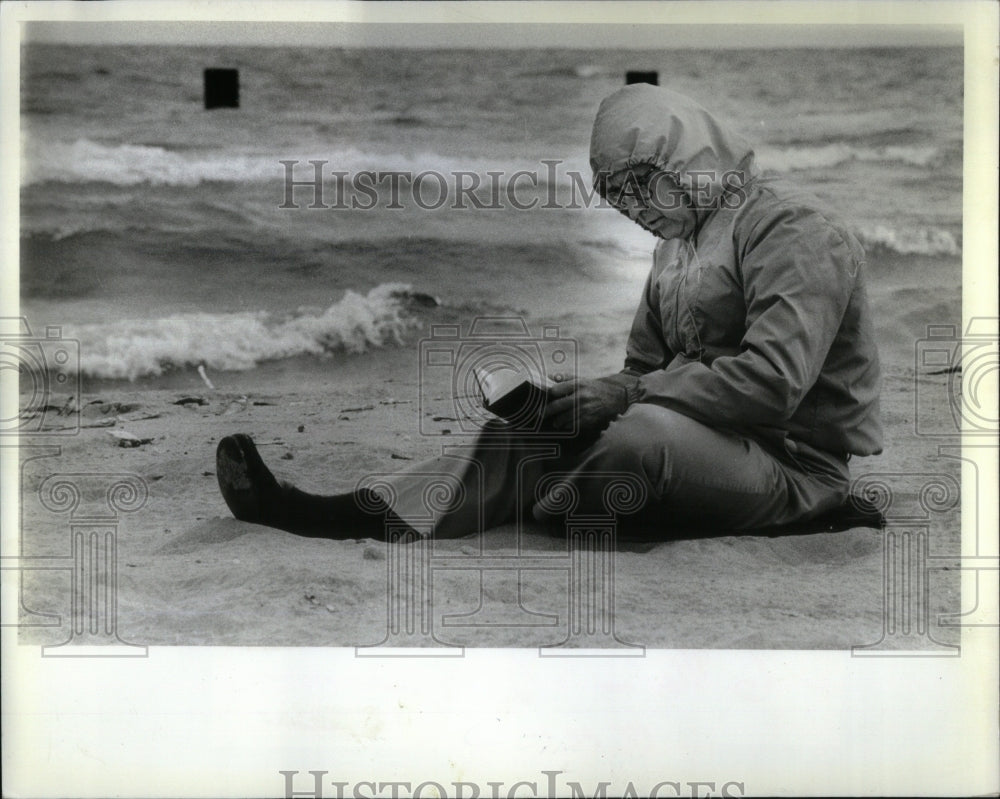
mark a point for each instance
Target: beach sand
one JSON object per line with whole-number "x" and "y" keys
{"x": 190, "y": 574}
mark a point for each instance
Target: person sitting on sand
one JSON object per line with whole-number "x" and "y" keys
{"x": 751, "y": 373}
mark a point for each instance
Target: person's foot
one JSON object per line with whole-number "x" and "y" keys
{"x": 247, "y": 485}
{"x": 254, "y": 495}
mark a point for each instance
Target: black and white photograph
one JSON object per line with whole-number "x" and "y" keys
{"x": 391, "y": 343}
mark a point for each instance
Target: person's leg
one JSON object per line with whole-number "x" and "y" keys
{"x": 474, "y": 487}
{"x": 694, "y": 474}
{"x": 253, "y": 494}
{"x": 468, "y": 489}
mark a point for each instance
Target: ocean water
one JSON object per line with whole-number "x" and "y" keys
{"x": 154, "y": 231}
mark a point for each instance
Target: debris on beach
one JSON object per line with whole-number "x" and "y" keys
{"x": 99, "y": 423}
{"x": 397, "y": 457}
{"x": 358, "y": 409}
{"x": 142, "y": 418}
{"x": 189, "y": 401}
{"x": 102, "y": 412}
{"x": 236, "y": 405}
{"x": 102, "y": 408}
{"x": 204, "y": 376}
{"x": 110, "y": 413}
{"x": 70, "y": 407}
{"x": 127, "y": 439}
{"x": 32, "y": 413}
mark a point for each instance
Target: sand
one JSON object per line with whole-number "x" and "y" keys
{"x": 190, "y": 574}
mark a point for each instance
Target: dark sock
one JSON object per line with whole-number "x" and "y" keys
{"x": 254, "y": 495}
{"x": 353, "y": 515}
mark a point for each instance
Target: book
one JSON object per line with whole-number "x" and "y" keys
{"x": 515, "y": 395}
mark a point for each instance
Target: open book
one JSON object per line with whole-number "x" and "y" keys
{"x": 515, "y": 395}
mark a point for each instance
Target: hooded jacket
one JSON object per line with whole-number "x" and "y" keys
{"x": 759, "y": 321}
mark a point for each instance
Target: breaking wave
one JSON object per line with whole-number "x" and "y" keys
{"x": 793, "y": 159}
{"x": 909, "y": 241}
{"x": 240, "y": 341}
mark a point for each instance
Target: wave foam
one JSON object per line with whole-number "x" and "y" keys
{"x": 130, "y": 164}
{"x": 915, "y": 241}
{"x": 792, "y": 159}
{"x": 85, "y": 161}
{"x": 240, "y": 341}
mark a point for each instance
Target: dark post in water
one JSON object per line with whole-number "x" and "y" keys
{"x": 640, "y": 76}
{"x": 222, "y": 88}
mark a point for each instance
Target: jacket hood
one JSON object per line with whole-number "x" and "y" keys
{"x": 644, "y": 124}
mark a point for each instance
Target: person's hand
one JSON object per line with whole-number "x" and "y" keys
{"x": 595, "y": 403}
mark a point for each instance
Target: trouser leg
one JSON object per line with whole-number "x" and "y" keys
{"x": 467, "y": 490}
{"x": 689, "y": 473}
{"x": 692, "y": 473}
{"x": 473, "y": 487}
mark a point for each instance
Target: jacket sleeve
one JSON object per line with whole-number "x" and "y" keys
{"x": 646, "y": 349}
{"x": 798, "y": 274}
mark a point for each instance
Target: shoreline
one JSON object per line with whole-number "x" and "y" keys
{"x": 190, "y": 574}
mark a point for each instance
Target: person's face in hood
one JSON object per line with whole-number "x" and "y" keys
{"x": 653, "y": 199}
{"x": 653, "y": 131}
